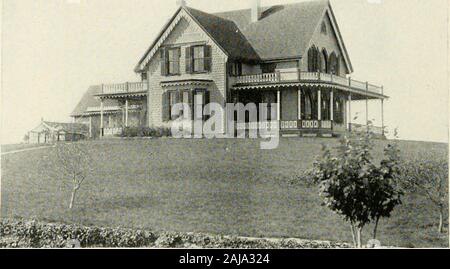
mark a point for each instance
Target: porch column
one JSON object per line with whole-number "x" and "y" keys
{"x": 319, "y": 104}
{"x": 90, "y": 126}
{"x": 126, "y": 112}
{"x": 331, "y": 105}
{"x": 299, "y": 104}
{"x": 350, "y": 112}
{"x": 101, "y": 117}
{"x": 278, "y": 105}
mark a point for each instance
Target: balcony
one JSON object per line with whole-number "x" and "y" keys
{"x": 308, "y": 77}
{"x": 124, "y": 88}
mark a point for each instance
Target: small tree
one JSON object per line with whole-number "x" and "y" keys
{"x": 428, "y": 176}
{"x": 354, "y": 187}
{"x": 71, "y": 164}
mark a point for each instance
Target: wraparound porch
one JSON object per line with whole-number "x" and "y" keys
{"x": 308, "y": 109}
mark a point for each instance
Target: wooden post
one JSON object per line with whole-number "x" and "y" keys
{"x": 90, "y": 126}
{"x": 299, "y": 107}
{"x": 126, "y": 113}
{"x": 278, "y": 105}
{"x": 101, "y": 117}
{"x": 350, "y": 112}
{"x": 331, "y": 105}
{"x": 319, "y": 104}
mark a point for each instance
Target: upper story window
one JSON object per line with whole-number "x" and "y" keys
{"x": 198, "y": 59}
{"x": 170, "y": 61}
{"x": 144, "y": 76}
{"x": 268, "y": 68}
{"x": 174, "y": 61}
{"x": 235, "y": 69}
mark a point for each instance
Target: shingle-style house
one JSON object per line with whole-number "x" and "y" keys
{"x": 292, "y": 55}
{"x": 50, "y": 132}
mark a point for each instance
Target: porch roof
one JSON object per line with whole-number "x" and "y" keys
{"x": 186, "y": 82}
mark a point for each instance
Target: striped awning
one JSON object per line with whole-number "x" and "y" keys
{"x": 271, "y": 86}
{"x": 189, "y": 82}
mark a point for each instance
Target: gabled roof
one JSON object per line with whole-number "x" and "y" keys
{"x": 283, "y": 31}
{"x": 227, "y": 34}
{"x": 89, "y": 100}
{"x": 67, "y": 127}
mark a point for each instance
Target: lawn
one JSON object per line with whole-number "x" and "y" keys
{"x": 217, "y": 186}
{"x": 14, "y": 147}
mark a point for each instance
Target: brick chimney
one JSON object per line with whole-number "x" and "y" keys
{"x": 256, "y": 10}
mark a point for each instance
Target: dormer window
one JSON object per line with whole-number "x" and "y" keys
{"x": 323, "y": 28}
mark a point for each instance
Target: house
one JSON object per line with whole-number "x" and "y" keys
{"x": 51, "y": 132}
{"x": 291, "y": 55}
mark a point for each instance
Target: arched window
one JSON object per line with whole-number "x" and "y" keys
{"x": 311, "y": 62}
{"x": 333, "y": 63}
{"x": 324, "y": 61}
{"x": 313, "y": 59}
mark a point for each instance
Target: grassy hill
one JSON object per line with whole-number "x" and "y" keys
{"x": 227, "y": 187}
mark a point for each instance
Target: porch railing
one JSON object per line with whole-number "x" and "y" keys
{"x": 127, "y": 87}
{"x": 299, "y": 76}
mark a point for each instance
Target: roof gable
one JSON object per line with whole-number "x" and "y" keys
{"x": 283, "y": 32}
{"x": 210, "y": 27}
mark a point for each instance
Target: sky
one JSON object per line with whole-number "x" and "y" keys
{"x": 53, "y": 50}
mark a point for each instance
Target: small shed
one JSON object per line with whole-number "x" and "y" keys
{"x": 51, "y": 132}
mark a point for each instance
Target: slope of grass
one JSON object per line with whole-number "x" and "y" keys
{"x": 215, "y": 186}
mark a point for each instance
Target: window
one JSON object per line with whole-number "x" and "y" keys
{"x": 173, "y": 99}
{"x": 323, "y": 28}
{"x": 170, "y": 61}
{"x": 174, "y": 61}
{"x": 143, "y": 76}
{"x": 198, "y": 59}
{"x": 314, "y": 59}
{"x": 324, "y": 61}
{"x": 334, "y": 65}
{"x": 270, "y": 99}
{"x": 203, "y": 95}
{"x": 235, "y": 69}
{"x": 268, "y": 68}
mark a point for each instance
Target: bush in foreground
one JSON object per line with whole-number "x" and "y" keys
{"x": 35, "y": 234}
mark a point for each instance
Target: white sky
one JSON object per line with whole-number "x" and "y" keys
{"x": 52, "y": 50}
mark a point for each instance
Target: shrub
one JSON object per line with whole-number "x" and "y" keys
{"x": 353, "y": 186}
{"x": 26, "y": 234}
{"x": 146, "y": 132}
{"x": 428, "y": 176}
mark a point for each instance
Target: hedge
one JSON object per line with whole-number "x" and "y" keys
{"x": 145, "y": 132}
{"x": 35, "y": 234}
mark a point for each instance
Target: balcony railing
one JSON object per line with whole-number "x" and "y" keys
{"x": 127, "y": 87}
{"x": 300, "y": 76}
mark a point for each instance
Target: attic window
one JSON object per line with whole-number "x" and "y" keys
{"x": 323, "y": 29}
